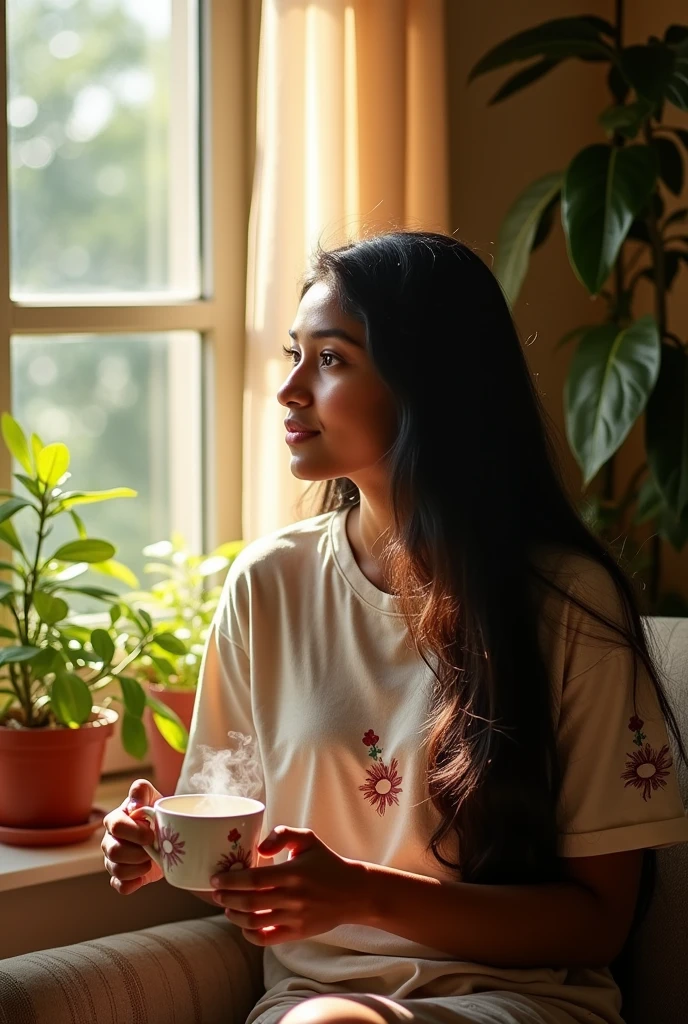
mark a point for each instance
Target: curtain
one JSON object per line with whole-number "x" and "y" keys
{"x": 351, "y": 139}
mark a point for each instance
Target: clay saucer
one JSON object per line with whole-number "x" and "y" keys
{"x": 11, "y": 836}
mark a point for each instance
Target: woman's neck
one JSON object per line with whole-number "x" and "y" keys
{"x": 368, "y": 528}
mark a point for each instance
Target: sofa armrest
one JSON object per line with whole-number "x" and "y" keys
{"x": 192, "y": 972}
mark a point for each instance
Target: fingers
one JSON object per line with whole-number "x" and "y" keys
{"x": 126, "y": 888}
{"x": 142, "y": 793}
{"x": 257, "y": 921}
{"x": 127, "y": 872}
{"x": 123, "y": 852}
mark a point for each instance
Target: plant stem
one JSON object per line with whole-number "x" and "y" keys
{"x": 33, "y": 577}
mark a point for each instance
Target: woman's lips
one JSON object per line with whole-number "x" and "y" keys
{"x": 297, "y": 436}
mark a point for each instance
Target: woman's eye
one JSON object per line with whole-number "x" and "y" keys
{"x": 289, "y": 353}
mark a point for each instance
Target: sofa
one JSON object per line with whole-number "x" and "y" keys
{"x": 194, "y": 971}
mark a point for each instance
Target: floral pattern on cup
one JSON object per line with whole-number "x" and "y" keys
{"x": 237, "y": 859}
{"x": 171, "y": 847}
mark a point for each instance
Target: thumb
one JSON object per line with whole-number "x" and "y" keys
{"x": 141, "y": 794}
{"x": 283, "y": 836}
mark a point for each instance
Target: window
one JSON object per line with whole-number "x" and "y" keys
{"x": 123, "y": 118}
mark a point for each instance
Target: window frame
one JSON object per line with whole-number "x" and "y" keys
{"x": 227, "y": 40}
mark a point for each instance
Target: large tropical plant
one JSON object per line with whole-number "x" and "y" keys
{"x": 52, "y": 666}
{"x": 618, "y": 231}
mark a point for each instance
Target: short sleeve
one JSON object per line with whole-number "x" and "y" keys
{"x": 223, "y": 752}
{"x": 619, "y": 787}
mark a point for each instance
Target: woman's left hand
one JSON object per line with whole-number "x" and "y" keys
{"x": 311, "y": 893}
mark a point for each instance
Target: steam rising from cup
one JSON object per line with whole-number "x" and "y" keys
{"x": 235, "y": 772}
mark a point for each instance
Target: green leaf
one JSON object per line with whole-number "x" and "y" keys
{"x": 676, "y": 90}
{"x": 71, "y": 498}
{"x": 648, "y": 69}
{"x": 666, "y": 425}
{"x": 7, "y": 634}
{"x": 574, "y": 333}
{"x": 618, "y": 86}
{"x": 604, "y": 188}
{"x": 610, "y": 379}
{"x": 36, "y": 447}
{"x": 650, "y": 501}
{"x": 169, "y": 725}
{"x": 170, "y": 643}
{"x": 32, "y": 486}
{"x": 9, "y": 535}
{"x": 165, "y": 667}
{"x": 134, "y": 695}
{"x": 626, "y": 119}
{"x": 103, "y": 644}
{"x": 557, "y": 39}
{"x": 522, "y": 79}
{"x": 15, "y": 442}
{"x": 79, "y": 523}
{"x": 670, "y": 163}
{"x": 50, "y": 609}
{"x": 52, "y": 463}
{"x": 115, "y": 614}
{"x": 96, "y": 592}
{"x": 89, "y": 550}
{"x": 46, "y": 661}
{"x": 134, "y": 738}
{"x": 11, "y": 507}
{"x": 517, "y": 232}
{"x": 12, "y": 655}
{"x": 212, "y": 564}
{"x": 146, "y": 619}
{"x": 161, "y": 549}
{"x": 5, "y": 590}
{"x": 117, "y": 571}
{"x": 71, "y": 699}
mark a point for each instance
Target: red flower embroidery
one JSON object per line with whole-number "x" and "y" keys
{"x": 370, "y": 739}
{"x": 234, "y": 836}
{"x": 647, "y": 769}
{"x": 171, "y": 847}
{"x": 636, "y": 724}
{"x": 383, "y": 785}
{"x": 234, "y": 861}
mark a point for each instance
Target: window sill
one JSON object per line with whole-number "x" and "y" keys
{"x": 21, "y": 866}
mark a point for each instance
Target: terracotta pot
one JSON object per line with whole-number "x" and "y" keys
{"x": 48, "y": 777}
{"x": 167, "y": 763}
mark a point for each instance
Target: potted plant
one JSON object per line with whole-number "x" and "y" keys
{"x": 182, "y": 604}
{"x": 52, "y": 727}
{"x": 614, "y": 197}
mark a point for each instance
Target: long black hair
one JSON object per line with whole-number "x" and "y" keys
{"x": 476, "y": 488}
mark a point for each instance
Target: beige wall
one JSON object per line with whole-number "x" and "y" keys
{"x": 496, "y": 151}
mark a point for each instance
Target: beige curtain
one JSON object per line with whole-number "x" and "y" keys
{"x": 351, "y": 138}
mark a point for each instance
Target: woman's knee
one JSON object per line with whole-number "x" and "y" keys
{"x": 332, "y": 1010}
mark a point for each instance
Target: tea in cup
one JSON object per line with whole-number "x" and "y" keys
{"x": 198, "y": 835}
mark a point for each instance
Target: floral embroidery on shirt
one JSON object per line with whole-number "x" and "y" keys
{"x": 646, "y": 769}
{"x": 636, "y": 724}
{"x": 237, "y": 858}
{"x": 384, "y": 781}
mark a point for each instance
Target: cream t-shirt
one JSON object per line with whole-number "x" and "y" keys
{"x": 316, "y": 665}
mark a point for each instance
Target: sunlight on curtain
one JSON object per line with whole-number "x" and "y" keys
{"x": 350, "y": 139}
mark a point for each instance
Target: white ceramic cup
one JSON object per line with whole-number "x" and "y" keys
{"x": 200, "y": 834}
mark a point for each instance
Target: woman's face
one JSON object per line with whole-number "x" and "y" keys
{"x": 334, "y": 389}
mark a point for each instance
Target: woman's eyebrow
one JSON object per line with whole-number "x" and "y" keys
{"x": 330, "y": 332}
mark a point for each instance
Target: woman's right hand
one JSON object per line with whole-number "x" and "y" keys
{"x": 125, "y": 836}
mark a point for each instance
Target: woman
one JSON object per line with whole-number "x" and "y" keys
{"x": 462, "y": 734}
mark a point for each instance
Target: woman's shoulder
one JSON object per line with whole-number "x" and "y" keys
{"x": 567, "y": 575}
{"x": 288, "y": 546}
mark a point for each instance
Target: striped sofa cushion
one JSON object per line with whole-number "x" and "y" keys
{"x": 190, "y": 972}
